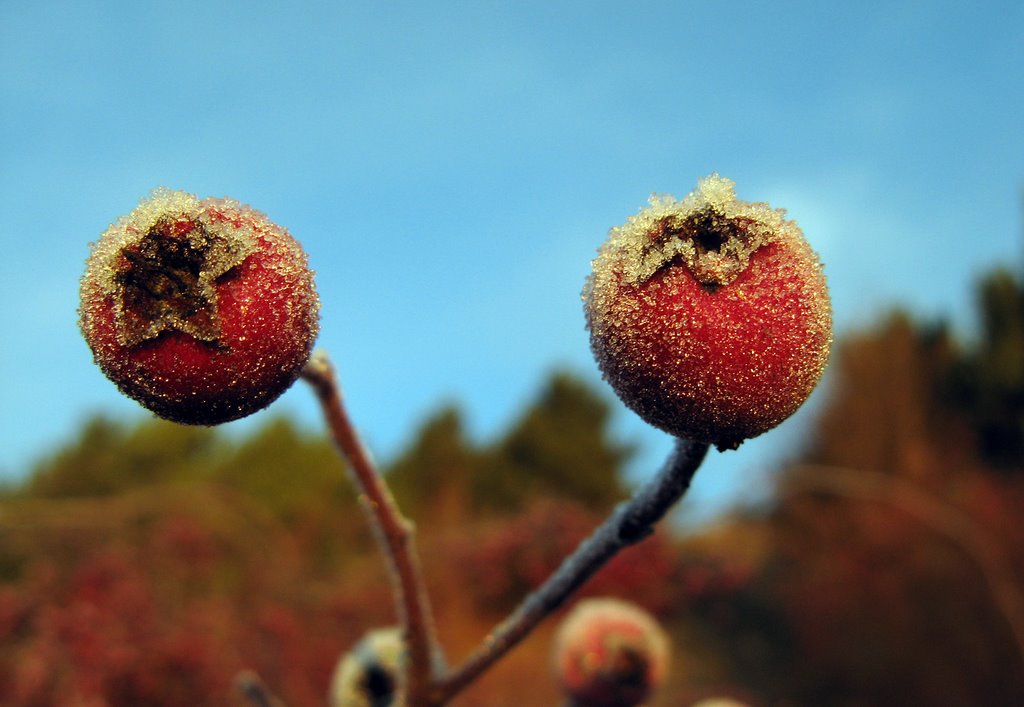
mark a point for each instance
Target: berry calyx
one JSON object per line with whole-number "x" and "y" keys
{"x": 710, "y": 316}
{"x": 610, "y": 653}
{"x": 201, "y": 310}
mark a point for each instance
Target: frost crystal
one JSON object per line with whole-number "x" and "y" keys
{"x": 711, "y": 230}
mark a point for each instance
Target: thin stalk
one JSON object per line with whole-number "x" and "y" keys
{"x": 394, "y": 532}
{"x": 252, "y": 688}
{"x": 630, "y": 522}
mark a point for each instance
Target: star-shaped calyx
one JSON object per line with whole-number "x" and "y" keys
{"x": 165, "y": 280}
{"x": 711, "y": 231}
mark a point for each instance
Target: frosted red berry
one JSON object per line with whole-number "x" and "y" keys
{"x": 610, "y": 653}
{"x": 201, "y": 310}
{"x": 710, "y": 316}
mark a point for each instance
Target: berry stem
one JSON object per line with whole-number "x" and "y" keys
{"x": 253, "y": 689}
{"x": 394, "y": 532}
{"x": 630, "y": 522}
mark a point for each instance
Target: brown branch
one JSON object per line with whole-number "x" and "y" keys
{"x": 394, "y": 532}
{"x": 631, "y": 522}
{"x": 939, "y": 515}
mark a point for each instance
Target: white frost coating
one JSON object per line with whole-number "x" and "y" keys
{"x": 128, "y": 230}
{"x": 215, "y": 244}
{"x": 669, "y": 228}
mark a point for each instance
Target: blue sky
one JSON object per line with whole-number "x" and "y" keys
{"x": 452, "y": 167}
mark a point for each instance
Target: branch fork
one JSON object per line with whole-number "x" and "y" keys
{"x": 427, "y": 683}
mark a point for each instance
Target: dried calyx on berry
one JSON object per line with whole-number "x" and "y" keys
{"x": 710, "y": 316}
{"x": 609, "y": 653}
{"x": 201, "y": 310}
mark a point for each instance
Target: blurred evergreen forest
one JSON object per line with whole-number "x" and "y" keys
{"x": 145, "y": 564}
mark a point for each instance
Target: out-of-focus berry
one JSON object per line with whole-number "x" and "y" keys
{"x": 370, "y": 674}
{"x": 609, "y": 653}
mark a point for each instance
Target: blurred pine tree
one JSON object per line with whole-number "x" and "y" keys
{"x": 996, "y": 372}
{"x": 432, "y": 478}
{"x": 560, "y": 447}
{"x": 290, "y": 471}
{"x": 108, "y": 457}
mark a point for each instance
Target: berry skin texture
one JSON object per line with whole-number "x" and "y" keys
{"x": 201, "y": 310}
{"x": 709, "y": 317}
{"x": 610, "y": 653}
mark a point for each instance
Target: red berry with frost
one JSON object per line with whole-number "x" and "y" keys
{"x": 201, "y": 310}
{"x": 710, "y": 316}
{"x": 610, "y": 653}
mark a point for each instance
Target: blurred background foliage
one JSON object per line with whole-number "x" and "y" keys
{"x": 147, "y": 563}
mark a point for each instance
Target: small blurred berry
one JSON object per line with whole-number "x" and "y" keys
{"x": 609, "y": 653}
{"x": 370, "y": 674}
